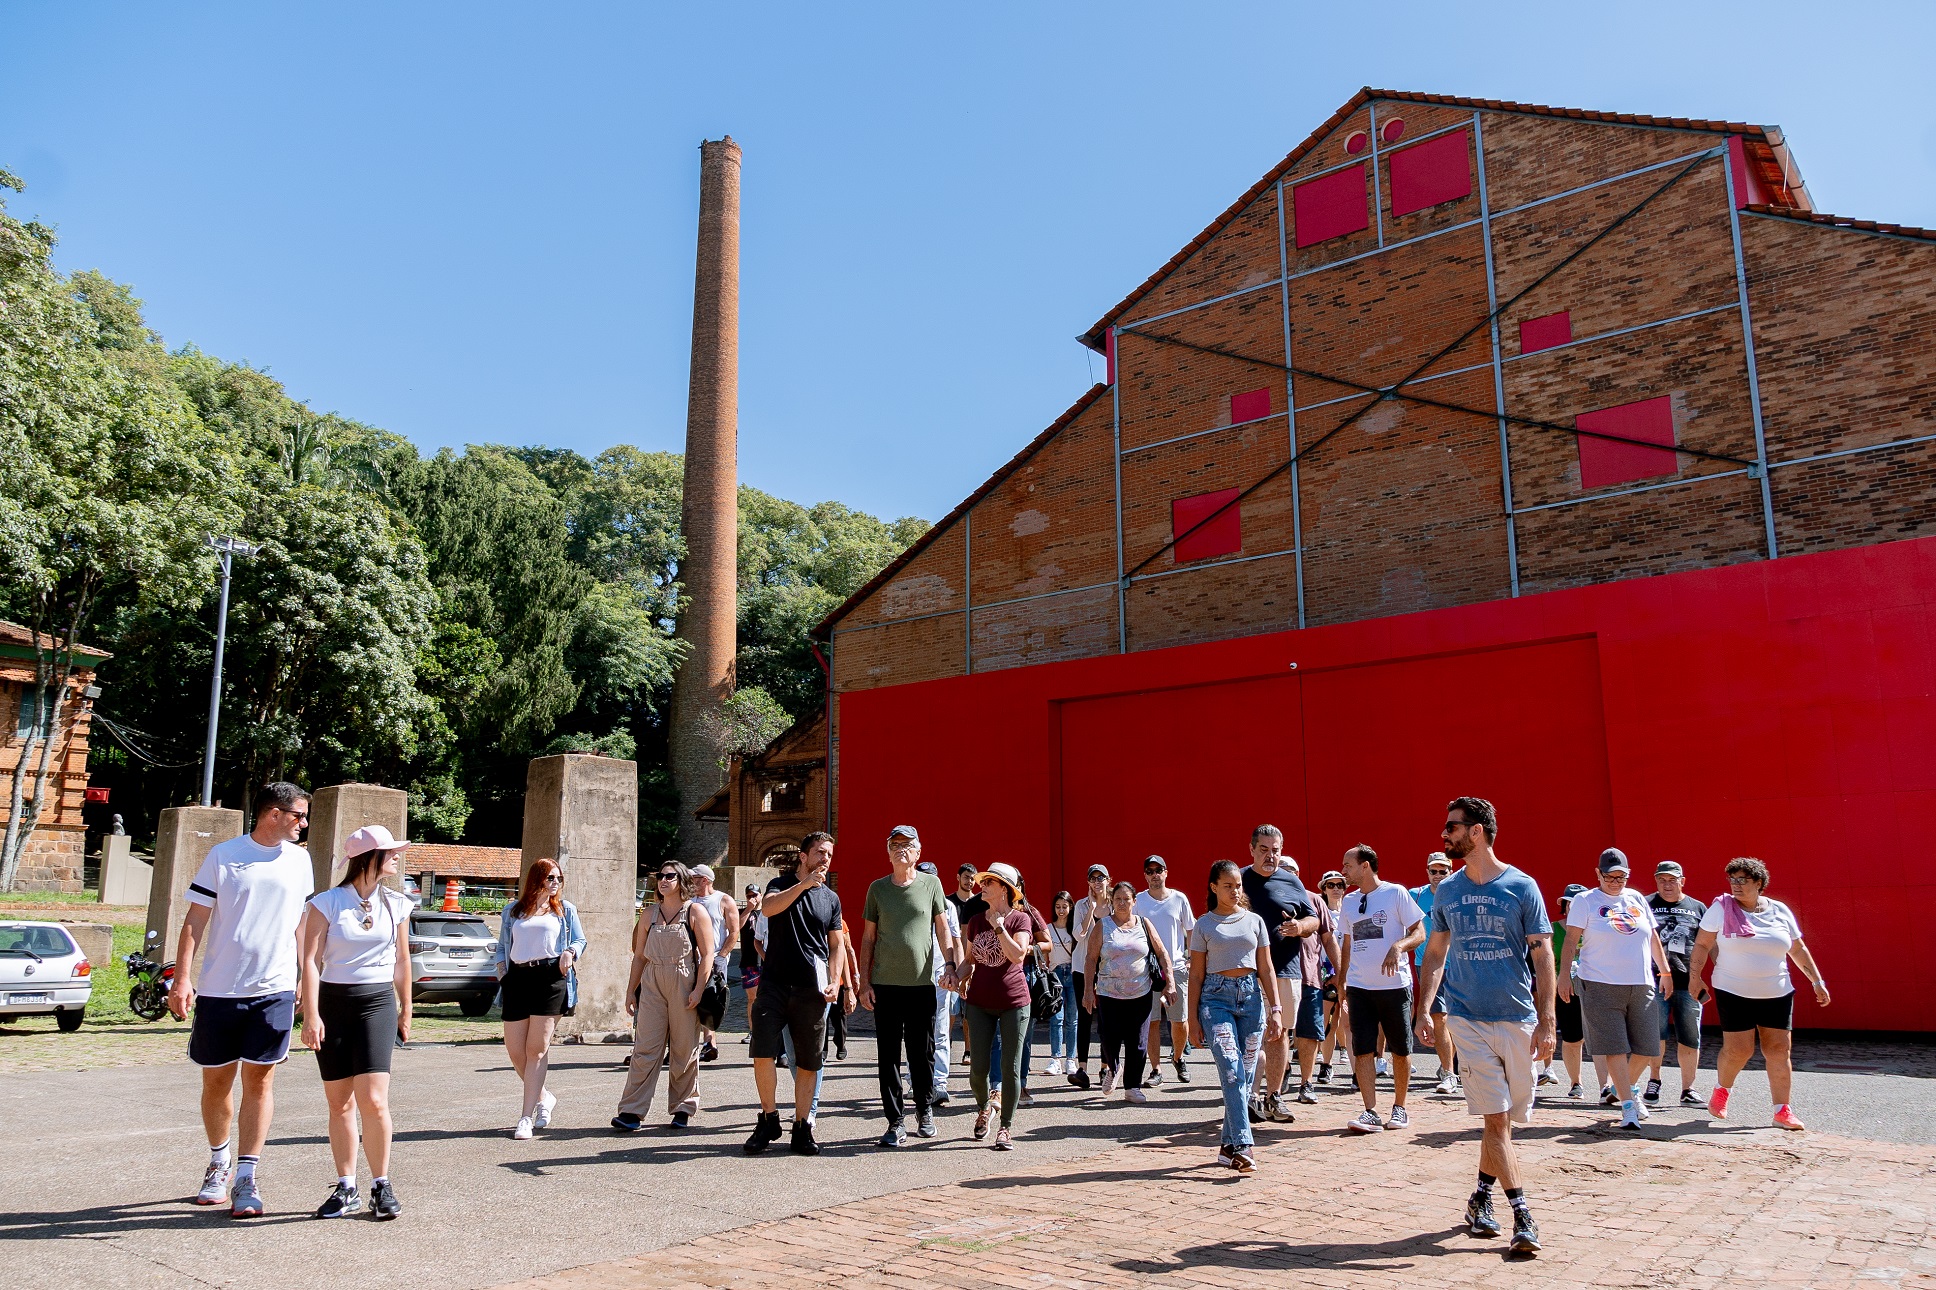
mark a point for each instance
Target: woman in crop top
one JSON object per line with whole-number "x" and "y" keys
{"x": 356, "y": 1007}
{"x": 1233, "y": 1006}
{"x": 538, "y": 944}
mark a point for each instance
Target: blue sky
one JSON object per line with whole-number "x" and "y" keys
{"x": 474, "y": 223}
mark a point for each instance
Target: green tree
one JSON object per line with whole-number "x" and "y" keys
{"x": 108, "y": 482}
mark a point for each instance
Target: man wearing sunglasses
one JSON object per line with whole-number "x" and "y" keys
{"x": 1486, "y": 919}
{"x": 805, "y": 963}
{"x": 1437, "y": 869}
{"x": 244, "y": 905}
{"x": 1380, "y": 926}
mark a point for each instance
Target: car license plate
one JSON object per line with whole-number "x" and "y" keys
{"x": 28, "y": 998}
{"x": 456, "y": 953}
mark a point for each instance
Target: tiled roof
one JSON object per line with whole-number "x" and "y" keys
{"x": 825, "y": 627}
{"x": 1764, "y": 145}
{"x": 17, "y": 634}
{"x": 477, "y": 864}
{"x": 1843, "y": 221}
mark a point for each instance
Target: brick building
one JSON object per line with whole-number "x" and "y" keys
{"x": 54, "y": 859}
{"x": 775, "y": 798}
{"x": 1564, "y": 457}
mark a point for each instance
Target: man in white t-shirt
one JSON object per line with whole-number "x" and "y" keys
{"x": 244, "y": 906}
{"x": 1618, "y": 950}
{"x": 724, "y": 912}
{"x": 1378, "y": 927}
{"x": 1169, "y": 913}
{"x": 1087, "y": 911}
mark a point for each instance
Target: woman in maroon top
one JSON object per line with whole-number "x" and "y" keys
{"x": 996, "y": 997}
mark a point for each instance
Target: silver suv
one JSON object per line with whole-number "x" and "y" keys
{"x": 453, "y": 958}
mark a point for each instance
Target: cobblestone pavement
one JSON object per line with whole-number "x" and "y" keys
{"x": 1692, "y": 1209}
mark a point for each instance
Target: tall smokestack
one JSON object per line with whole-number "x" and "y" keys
{"x": 708, "y": 611}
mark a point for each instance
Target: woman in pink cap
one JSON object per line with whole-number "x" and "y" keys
{"x": 356, "y": 1005}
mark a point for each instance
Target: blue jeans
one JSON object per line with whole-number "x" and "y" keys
{"x": 1232, "y": 1012}
{"x": 1062, "y": 1023}
{"x": 948, "y": 1008}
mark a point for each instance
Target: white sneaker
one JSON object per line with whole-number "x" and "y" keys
{"x": 1367, "y": 1122}
{"x": 215, "y": 1185}
{"x": 1398, "y": 1119}
{"x": 1447, "y": 1084}
{"x": 1135, "y": 1095}
{"x": 523, "y": 1132}
{"x": 546, "y": 1101}
{"x": 1055, "y": 1066}
{"x": 1630, "y": 1115}
{"x": 1108, "y": 1080}
{"x": 1640, "y": 1108}
{"x": 1382, "y": 1066}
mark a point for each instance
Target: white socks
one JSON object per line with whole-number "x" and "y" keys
{"x": 245, "y": 1167}
{"x": 219, "y": 1155}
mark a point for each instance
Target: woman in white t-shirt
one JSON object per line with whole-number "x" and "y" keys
{"x": 355, "y": 941}
{"x": 1062, "y": 953}
{"x": 1752, "y": 939}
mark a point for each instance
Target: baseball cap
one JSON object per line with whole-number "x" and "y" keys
{"x": 1667, "y": 866}
{"x": 703, "y": 871}
{"x": 1095, "y": 869}
{"x": 1614, "y": 860}
{"x": 1156, "y": 862}
{"x": 372, "y": 837}
{"x": 1331, "y": 875}
{"x": 1438, "y": 858}
{"x": 926, "y": 866}
{"x": 1572, "y": 889}
{"x": 903, "y": 831}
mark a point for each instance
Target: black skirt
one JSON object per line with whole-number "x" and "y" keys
{"x": 535, "y": 989}
{"x": 359, "y": 1029}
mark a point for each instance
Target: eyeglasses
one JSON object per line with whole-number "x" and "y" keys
{"x": 668, "y": 877}
{"x": 554, "y": 881}
{"x": 1735, "y": 879}
{"x": 1451, "y": 825}
{"x": 1441, "y": 872}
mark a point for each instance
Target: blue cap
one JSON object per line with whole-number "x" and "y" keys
{"x": 1614, "y": 860}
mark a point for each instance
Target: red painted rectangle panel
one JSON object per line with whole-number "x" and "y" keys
{"x": 1430, "y": 173}
{"x": 1223, "y": 535}
{"x": 97, "y": 795}
{"x": 1249, "y": 406}
{"x": 1545, "y": 332}
{"x": 1603, "y": 461}
{"x": 1747, "y": 184}
{"x": 1109, "y": 350}
{"x": 1330, "y": 206}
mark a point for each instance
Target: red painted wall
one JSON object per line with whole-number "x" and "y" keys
{"x": 1781, "y": 709}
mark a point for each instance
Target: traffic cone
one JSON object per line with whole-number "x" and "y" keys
{"x": 450, "y": 896}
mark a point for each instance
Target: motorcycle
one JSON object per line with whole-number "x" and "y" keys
{"x": 149, "y": 981}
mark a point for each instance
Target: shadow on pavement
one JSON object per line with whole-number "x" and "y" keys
{"x": 119, "y": 1220}
{"x": 1274, "y": 1255}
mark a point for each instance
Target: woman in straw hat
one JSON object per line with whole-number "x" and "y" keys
{"x": 996, "y": 996}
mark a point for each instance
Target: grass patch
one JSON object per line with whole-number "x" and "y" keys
{"x": 88, "y": 897}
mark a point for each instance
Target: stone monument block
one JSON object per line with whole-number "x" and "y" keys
{"x": 583, "y": 812}
{"x": 340, "y": 810}
{"x": 126, "y": 879}
{"x": 183, "y": 839}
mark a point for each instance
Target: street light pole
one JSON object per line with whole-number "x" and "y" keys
{"x": 228, "y": 548}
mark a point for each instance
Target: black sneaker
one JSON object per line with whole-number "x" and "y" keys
{"x": 1609, "y": 1096}
{"x": 627, "y": 1123}
{"x": 1254, "y": 1111}
{"x": 803, "y": 1143}
{"x": 1525, "y": 1237}
{"x": 1324, "y": 1072}
{"x": 780, "y": 1062}
{"x": 940, "y": 1099}
{"x": 1182, "y": 1072}
{"x": 343, "y": 1202}
{"x": 1652, "y": 1096}
{"x": 1478, "y": 1215}
{"x": 1690, "y": 1098}
{"x": 681, "y": 1120}
{"x": 1079, "y": 1077}
{"x": 384, "y": 1205}
{"x": 924, "y": 1126}
{"x": 709, "y": 1052}
{"x": 767, "y": 1130}
{"x": 840, "y": 1053}
{"x": 896, "y": 1135}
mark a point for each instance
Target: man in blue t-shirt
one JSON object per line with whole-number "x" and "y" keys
{"x": 1485, "y": 920}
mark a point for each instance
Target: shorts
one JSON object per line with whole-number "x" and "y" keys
{"x": 1739, "y": 1012}
{"x": 1621, "y": 1020}
{"x": 749, "y": 978}
{"x": 1680, "y": 1016}
{"x": 1372, "y": 1010}
{"x": 254, "y": 1030}
{"x": 1567, "y": 1013}
{"x": 796, "y": 1011}
{"x": 1496, "y": 1066}
{"x": 1438, "y": 1000}
{"x": 534, "y": 989}
{"x": 359, "y": 1029}
{"x": 1177, "y": 1013}
{"x": 1310, "y": 1014}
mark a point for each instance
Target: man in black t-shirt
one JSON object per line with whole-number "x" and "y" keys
{"x": 1678, "y": 918}
{"x": 1278, "y": 896}
{"x": 799, "y": 977}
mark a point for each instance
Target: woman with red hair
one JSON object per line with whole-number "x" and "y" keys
{"x": 539, "y": 942}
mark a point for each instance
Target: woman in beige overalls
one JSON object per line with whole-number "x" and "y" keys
{"x": 662, "y": 993}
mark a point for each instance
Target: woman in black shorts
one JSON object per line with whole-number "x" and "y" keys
{"x": 356, "y": 1006}
{"x": 538, "y": 944}
{"x": 1572, "y": 1026}
{"x": 749, "y": 948}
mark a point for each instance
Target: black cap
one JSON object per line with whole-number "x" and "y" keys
{"x": 1572, "y": 889}
{"x": 1614, "y": 860}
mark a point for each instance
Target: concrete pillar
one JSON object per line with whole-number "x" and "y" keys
{"x": 340, "y": 810}
{"x": 183, "y": 839}
{"x": 709, "y": 511}
{"x": 125, "y": 878}
{"x": 583, "y": 812}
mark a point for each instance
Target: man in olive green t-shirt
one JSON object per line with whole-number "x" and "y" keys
{"x": 905, "y": 919}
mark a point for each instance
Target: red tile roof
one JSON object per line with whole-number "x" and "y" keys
{"x": 1766, "y": 152}
{"x": 1843, "y": 221}
{"x": 825, "y": 627}
{"x": 477, "y": 864}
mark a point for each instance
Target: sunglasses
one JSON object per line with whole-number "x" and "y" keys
{"x": 554, "y": 881}
{"x": 668, "y": 877}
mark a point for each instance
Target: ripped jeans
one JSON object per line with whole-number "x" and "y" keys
{"x": 1232, "y": 1012}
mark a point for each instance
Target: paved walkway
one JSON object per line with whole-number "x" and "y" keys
{"x": 1693, "y": 1207}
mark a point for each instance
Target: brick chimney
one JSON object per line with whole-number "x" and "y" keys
{"x": 709, "y": 514}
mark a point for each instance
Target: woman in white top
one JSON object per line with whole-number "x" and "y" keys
{"x": 355, "y": 940}
{"x": 1752, "y": 939}
{"x": 1234, "y": 1008}
{"x": 1062, "y": 953}
{"x": 1118, "y": 987}
{"x": 538, "y": 944}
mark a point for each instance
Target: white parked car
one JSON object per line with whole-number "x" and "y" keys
{"x": 43, "y": 973}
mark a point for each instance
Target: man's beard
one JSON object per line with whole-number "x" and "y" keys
{"x": 1459, "y": 850}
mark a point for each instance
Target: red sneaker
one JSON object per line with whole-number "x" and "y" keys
{"x": 1785, "y": 1119}
{"x": 1717, "y": 1103}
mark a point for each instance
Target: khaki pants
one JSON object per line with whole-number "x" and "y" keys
{"x": 665, "y": 1026}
